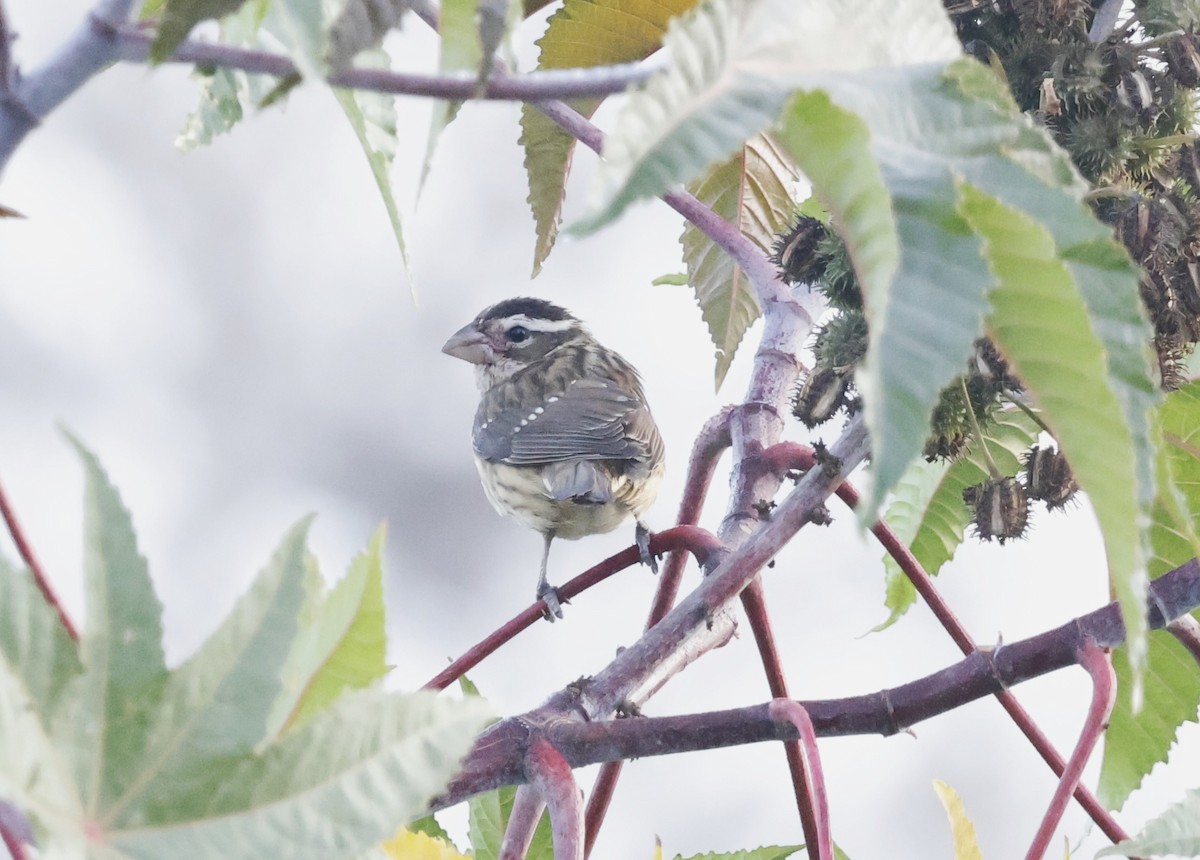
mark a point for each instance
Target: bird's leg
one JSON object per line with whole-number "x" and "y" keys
{"x": 546, "y": 592}
{"x": 642, "y": 538}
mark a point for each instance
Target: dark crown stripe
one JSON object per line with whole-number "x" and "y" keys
{"x": 529, "y": 307}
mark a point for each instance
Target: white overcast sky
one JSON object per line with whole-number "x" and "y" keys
{"x": 232, "y": 332}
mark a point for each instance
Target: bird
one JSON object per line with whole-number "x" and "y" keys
{"x": 563, "y": 438}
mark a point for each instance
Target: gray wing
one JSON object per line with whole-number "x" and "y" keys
{"x": 591, "y": 420}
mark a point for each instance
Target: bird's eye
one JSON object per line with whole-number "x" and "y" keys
{"x": 518, "y": 334}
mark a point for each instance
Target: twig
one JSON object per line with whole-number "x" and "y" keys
{"x": 35, "y": 567}
{"x": 1098, "y": 664}
{"x": 1187, "y": 630}
{"x": 820, "y": 844}
{"x": 522, "y": 823}
{"x": 787, "y": 456}
{"x": 754, "y": 603}
{"x": 15, "y": 831}
{"x": 498, "y": 756}
{"x": 550, "y": 774}
{"x": 595, "y": 81}
{"x": 710, "y": 443}
{"x": 699, "y": 542}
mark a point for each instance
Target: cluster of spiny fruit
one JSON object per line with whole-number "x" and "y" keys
{"x": 811, "y": 253}
{"x": 1120, "y": 97}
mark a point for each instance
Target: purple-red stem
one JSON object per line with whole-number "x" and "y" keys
{"x": 553, "y": 779}
{"x": 702, "y": 544}
{"x": 35, "y": 567}
{"x": 1187, "y": 630}
{"x": 754, "y": 603}
{"x": 790, "y": 455}
{"x": 711, "y": 442}
{"x": 819, "y": 841}
{"x": 522, "y": 823}
{"x": 1098, "y": 663}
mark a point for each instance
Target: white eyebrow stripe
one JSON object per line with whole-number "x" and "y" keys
{"x": 538, "y": 324}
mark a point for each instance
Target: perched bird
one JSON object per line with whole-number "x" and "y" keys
{"x": 563, "y": 438}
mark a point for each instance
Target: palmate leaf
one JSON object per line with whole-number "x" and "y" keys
{"x": 342, "y": 644}
{"x": 755, "y": 191}
{"x": 458, "y": 49}
{"x": 216, "y": 704}
{"x": 1176, "y": 833}
{"x": 734, "y": 65}
{"x": 123, "y": 669}
{"x": 332, "y": 788}
{"x": 927, "y": 510}
{"x": 917, "y": 167}
{"x": 35, "y": 649}
{"x": 1136, "y": 742}
{"x": 767, "y": 852}
{"x": 582, "y": 33}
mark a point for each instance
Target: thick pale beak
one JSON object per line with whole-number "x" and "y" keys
{"x": 469, "y": 344}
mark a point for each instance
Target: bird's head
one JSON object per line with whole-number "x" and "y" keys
{"x": 509, "y": 336}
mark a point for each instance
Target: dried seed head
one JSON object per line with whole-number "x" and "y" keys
{"x": 820, "y": 396}
{"x": 1000, "y": 509}
{"x": 1048, "y": 477}
{"x": 795, "y": 251}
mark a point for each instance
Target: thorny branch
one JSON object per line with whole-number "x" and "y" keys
{"x": 497, "y": 758}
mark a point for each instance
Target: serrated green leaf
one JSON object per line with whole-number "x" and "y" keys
{"x": 487, "y": 818}
{"x": 927, "y": 510}
{"x": 1135, "y": 743}
{"x": 359, "y": 26}
{"x": 124, "y": 673}
{"x": 300, "y": 26}
{"x": 341, "y": 645}
{"x": 373, "y": 118}
{"x": 227, "y": 95}
{"x": 767, "y": 852}
{"x": 677, "y": 279}
{"x": 1176, "y": 832}
{"x": 431, "y": 827}
{"x": 458, "y": 49}
{"x": 178, "y": 19}
{"x": 335, "y": 786}
{"x": 753, "y": 190}
{"x": 915, "y": 136}
{"x": 582, "y": 33}
{"x": 34, "y": 646}
{"x": 966, "y": 846}
{"x": 37, "y": 777}
{"x": 734, "y": 65}
{"x": 215, "y": 707}
{"x": 1066, "y": 368}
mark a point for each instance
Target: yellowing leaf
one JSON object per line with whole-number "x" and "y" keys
{"x": 753, "y": 190}
{"x": 582, "y": 33}
{"x": 961, "y": 827}
{"x": 406, "y": 845}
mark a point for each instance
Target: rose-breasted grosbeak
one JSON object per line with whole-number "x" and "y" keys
{"x": 564, "y": 441}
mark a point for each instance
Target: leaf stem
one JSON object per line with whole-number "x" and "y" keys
{"x": 1033, "y": 415}
{"x": 35, "y": 567}
{"x": 993, "y": 470}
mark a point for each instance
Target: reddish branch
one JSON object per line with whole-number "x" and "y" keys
{"x": 25, "y": 549}
{"x": 1098, "y": 664}
{"x": 550, "y": 774}
{"x": 814, "y": 805}
{"x": 522, "y": 823}
{"x": 498, "y": 756}
{"x": 700, "y": 543}
{"x": 788, "y": 455}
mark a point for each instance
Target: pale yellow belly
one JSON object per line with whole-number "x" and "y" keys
{"x": 505, "y": 484}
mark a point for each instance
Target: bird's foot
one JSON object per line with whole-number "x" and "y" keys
{"x": 642, "y": 538}
{"x": 548, "y": 594}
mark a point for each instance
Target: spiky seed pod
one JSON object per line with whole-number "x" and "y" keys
{"x": 1048, "y": 477}
{"x": 1173, "y": 354}
{"x": 839, "y": 283}
{"x": 795, "y": 251}
{"x": 990, "y": 366}
{"x": 820, "y": 396}
{"x": 1183, "y": 58}
{"x": 948, "y": 446}
{"x": 999, "y": 509}
{"x": 842, "y": 342}
{"x": 1099, "y": 144}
